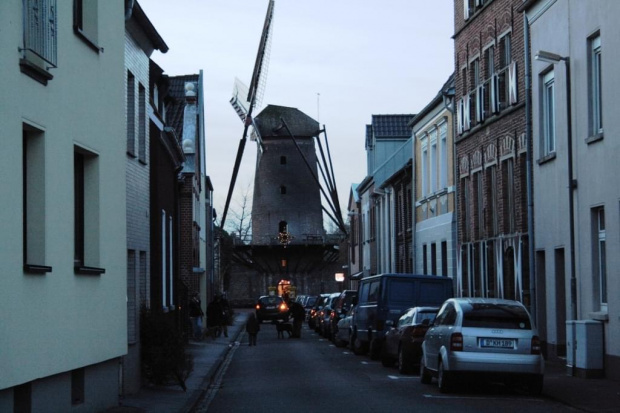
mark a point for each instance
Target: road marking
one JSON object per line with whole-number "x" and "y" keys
{"x": 346, "y": 352}
{"x": 401, "y": 377}
{"x": 433, "y": 396}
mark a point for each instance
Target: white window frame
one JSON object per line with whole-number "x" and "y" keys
{"x": 424, "y": 165}
{"x": 601, "y": 260}
{"x": 548, "y": 114}
{"x": 432, "y": 165}
{"x": 443, "y": 155}
{"x": 595, "y": 82}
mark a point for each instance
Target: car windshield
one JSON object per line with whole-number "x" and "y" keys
{"x": 270, "y": 300}
{"x": 425, "y": 315}
{"x": 489, "y": 315}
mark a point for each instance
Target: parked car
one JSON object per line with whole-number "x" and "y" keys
{"x": 324, "y": 315}
{"x": 271, "y": 307}
{"x": 403, "y": 341}
{"x": 309, "y": 304}
{"x": 343, "y": 332}
{"x": 314, "y": 311}
{"x": 343, "y": 303}
{"x": 384, "y": 297}
{"x": 487, "y": 338}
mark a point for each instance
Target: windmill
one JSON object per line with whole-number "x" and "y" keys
{"x": 245, "y": 99}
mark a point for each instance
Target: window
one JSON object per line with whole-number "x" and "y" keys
{"x": 282, "y": 160}
{"x": 22, "y": 397}
{"x": 596, "y": 102}
{"x": 479, "y": 217}
{"x": 492, "y": 197}
{"x": 142, "y": 124}
{"x": 132, "y": 321}
{"x": 509, "y": 207}
{"x": 433, "y": 161}
{"x": 424, "y": 166}
{"x": 424, "y": 259}
{"x": 434, "y": 258}
{"x": 443, "y": 161}
{"x": 33, "y": 190}
{"x": 505, "y": 50}
{"x": 131, "y": 114}
{"x": 86, "y": 212}
{"x": 444, "y": 259}
{"x": 39, "y": 52}
{"x": 548, "y": 114}
{"x": 467, "y": 209}
{"x": 283, "y": 190}
{"x": 600, "y": 255}
{"x": 85, "y": 22}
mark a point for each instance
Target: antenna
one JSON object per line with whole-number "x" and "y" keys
{"x": 257, "y": 87}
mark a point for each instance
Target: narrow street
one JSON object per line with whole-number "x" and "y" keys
{"x": 311, "y": 374}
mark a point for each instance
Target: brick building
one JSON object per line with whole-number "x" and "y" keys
{"x": 491, "y": 151}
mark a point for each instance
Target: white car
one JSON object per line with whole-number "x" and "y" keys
{"x": 485, "y": 337}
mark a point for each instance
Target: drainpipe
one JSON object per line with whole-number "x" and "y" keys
{"x": 529, "y": 169}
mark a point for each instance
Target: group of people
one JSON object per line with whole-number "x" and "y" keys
{"x": 297, "y": 311}
{"x": 218, "y": 316}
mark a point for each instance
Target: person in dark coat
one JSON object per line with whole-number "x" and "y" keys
{"x": 195, "y": 315}
{"x": 214, "y": 317}
{"x": 299, "y": 314}
{"x": 252, "y": 326}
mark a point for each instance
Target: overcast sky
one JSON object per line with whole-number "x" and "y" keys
{"x": 338, "y": 61}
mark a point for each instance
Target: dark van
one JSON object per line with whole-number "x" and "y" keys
{"x": 383, "y": 298}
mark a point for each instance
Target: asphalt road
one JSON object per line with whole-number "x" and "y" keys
{"x": 312, "y": 375}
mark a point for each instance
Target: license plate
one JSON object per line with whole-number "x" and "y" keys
{"x": 496, "y": 343}
{"x": 270, "y": 307}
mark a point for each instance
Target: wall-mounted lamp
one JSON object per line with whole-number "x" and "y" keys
{"x": 549, "y": 57}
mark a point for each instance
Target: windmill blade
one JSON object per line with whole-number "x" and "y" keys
{"x": 258, "y": 76}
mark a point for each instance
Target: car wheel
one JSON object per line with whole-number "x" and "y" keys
{"x": 375, "y": 349}
{"x": 404, "y": 364}
{"x": 443, "y": 379}
{"x": 358, "y": 346}
{"x": 386, "y": 360}
{"x": 535, "y": 385}
{"x": 425, "y": 374}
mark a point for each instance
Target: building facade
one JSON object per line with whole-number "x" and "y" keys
{"x": 576, "y": 210}
{"x": 435, "y": 191}
{"x": 62, "y": 247}
{"x": 493, "y": 246}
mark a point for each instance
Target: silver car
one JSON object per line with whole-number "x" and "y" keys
{"x": 494, "y": 337}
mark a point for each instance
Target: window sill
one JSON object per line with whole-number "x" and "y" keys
{"x": 87, "y": 40}
{"x": 36, "y": 72}
{"x": 547, "y": 158}
{"x": 36, "y": 269}
{"x": 83, "y": 270}
{"x": 596, "y": 138}
{"x": 599, "y": 316}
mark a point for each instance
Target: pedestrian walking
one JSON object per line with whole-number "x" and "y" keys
{"x": 252, "y": 326}
{"x": 298, "y": 313}
{"x": 214, "y": 318}
{"x": 195, "y": 316}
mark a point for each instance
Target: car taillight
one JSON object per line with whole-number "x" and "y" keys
{"x": 258, "y": 306}
{"x": 535, "y": 345}
{"x": 456, "y": 342}
{"x": 283, "y": 307}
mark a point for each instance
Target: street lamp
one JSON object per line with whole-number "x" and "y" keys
{"x": 555, "y": 59}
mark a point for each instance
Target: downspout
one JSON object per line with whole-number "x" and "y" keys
{"x": 529, "y": 169}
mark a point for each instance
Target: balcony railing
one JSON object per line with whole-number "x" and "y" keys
{"x": 40, "y": 29}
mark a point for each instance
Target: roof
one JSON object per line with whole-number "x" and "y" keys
{"x": 176, "y": 106}
{"x": 146, "y": 25}
{"x": 391, "y": 126}
{"x": 269, "y": 122}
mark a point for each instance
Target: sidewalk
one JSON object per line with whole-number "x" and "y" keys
{"x": 208, "y": 356}
{"x": 589, "y": 395}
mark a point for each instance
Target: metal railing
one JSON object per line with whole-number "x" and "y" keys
{"x": 40, "y": 29}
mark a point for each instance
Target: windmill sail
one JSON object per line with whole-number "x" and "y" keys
{"x": 256, "y": 90}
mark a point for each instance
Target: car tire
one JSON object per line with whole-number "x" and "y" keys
{"x": 386, "y": 360}
{"x": 535, "y": 385}
{"x": 443, "y": 379}
{"x": 425, "y": 374}
{"x": 404, "y": 362}
{"x": 358, "y": 346}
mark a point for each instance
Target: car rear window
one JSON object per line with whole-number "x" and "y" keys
{"x": 423, "y": 315}
{"x": 496, "y": 316}
{"x": 270, "y": 300}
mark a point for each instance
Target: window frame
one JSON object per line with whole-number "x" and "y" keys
{"x": 595, "y": 85}
{"x": 548, "y": 110}
{"x": 85, "y": 23}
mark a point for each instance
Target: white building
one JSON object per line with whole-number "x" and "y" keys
{"x": 575, "y": 168}
{"x": 63, "y": 287}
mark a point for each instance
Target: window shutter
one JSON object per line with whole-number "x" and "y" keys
{"x": 512, "y": 83}
{"x": 480, "y": 104}
{"x": 459, "y": 117}
{"x": 466, "y": 112}
{"x": 493, "y": 97}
